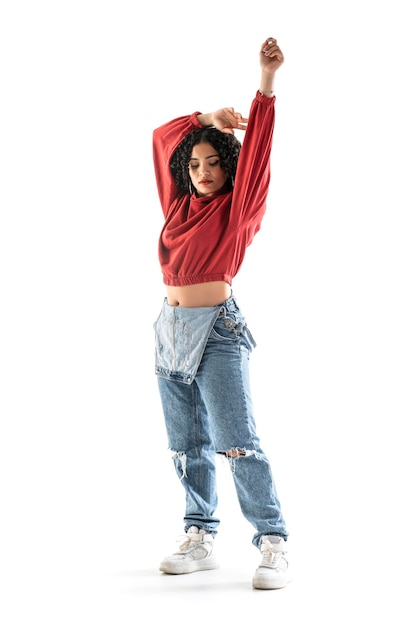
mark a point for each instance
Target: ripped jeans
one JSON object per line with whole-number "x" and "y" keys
{"x": 213, "y": 414}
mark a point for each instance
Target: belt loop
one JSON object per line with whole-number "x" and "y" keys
{"x": 231, "y": 303}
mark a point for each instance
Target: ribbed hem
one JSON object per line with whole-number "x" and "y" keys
{"x": 183, "y": 281}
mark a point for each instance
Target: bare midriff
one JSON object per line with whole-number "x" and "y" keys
{"x": 200, "y": 295}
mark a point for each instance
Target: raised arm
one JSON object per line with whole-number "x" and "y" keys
{"x": 271, "y": 58}
{"x": 253, "y": 171}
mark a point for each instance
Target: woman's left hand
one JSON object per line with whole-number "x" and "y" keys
{"x": 271, "y": 57}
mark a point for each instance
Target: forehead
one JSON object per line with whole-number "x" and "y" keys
{"x": 203, "y": 151}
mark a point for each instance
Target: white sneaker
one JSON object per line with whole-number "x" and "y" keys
{"x": 195, "y": 554}
{"x": 272, "y": 572}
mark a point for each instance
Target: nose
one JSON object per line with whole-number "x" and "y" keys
{"x": 203, "y": 170}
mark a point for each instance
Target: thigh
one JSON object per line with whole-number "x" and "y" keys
{"x": 224, "y": 383}
{"x": 185, "y": 415}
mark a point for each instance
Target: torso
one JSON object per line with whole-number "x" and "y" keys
{"x": 200, "y": 295}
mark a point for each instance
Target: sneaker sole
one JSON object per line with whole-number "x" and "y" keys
{"x": 266, "y": 583}
{"x": 263, "y": 584}
{"x": 189, "y": 567}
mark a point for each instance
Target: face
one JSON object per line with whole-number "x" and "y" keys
{"x": 205, "y": 170}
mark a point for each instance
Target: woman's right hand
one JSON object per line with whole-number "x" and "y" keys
{"x": 227, "y": 119}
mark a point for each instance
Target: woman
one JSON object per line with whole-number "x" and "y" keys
{"x": 213, "y": 195}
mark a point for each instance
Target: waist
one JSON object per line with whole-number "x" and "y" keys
{"x": 199, "y": 295}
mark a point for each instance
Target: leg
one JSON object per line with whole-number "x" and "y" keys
{"x": 194, "y": 459}
{"x": 257, "y": 495}
{"x": 190, "y": 439}
{"x": 223, "y": 381}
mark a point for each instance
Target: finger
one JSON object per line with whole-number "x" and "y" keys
{"x": 240, "y": 118}
{"x": 241, "y": 123}
{"x": 237, "y": 117}
{"x": 269, "y": 42}
{"x": 271, "y": 49}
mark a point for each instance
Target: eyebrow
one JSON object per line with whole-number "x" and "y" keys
{"x": 208, "y": 157}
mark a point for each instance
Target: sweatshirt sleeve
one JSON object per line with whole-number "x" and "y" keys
{"x": 253, "y": 171}
{"x": 165, "y": 140}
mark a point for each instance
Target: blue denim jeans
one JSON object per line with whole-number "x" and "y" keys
{"x": 207, "y": 407}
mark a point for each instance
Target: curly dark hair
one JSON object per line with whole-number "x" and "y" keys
{"x": 227, "y": 146}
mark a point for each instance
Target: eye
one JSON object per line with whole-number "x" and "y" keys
{"x": 193, "y": 166}
{"x": 214, "y": 163}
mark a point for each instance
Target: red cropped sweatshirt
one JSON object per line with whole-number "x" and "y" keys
{"x": 205, "y": 238}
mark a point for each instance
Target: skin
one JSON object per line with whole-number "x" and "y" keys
{"x": 205, "y": 170}
{"x": 208, "y": 177}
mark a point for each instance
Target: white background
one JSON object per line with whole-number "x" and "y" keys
{"x": 329, "y": 289}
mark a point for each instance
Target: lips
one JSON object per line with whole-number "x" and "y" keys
{"x": 205, "y": 182}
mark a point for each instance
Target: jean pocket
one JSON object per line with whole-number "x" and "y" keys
{"x": 229, "y": 328}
